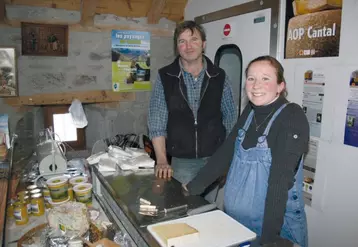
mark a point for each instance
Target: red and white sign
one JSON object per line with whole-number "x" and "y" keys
{"x": 227, "y": 29}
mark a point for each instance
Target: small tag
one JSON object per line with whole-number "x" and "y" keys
{"x": 259, "y": 19}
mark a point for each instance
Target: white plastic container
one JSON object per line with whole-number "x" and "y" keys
{"x": 83, "y": 193}
{"x": 56, "y": 204}
{"x": 78, "y": 180}
{"x": 58, "y": 187}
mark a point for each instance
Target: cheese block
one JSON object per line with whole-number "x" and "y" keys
{"x": 70, "y": 216}
{"x": 310, "y": 6}
{"x": 314, "y": 35}
{"x": 176, "y": 234}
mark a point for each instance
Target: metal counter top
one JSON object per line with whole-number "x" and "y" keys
{"x": 125, "y": 188}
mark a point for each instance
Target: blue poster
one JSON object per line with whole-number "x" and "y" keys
{"x": 130, "y": 61}
{"x": 351, "y": 126}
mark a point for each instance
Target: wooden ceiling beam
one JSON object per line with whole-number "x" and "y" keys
{"x": 88, "y": 12}
{"x": 155, "y": 11}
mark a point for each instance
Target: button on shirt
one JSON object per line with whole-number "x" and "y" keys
{"x": 158, "y": 112}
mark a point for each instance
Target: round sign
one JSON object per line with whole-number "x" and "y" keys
{"x": 227, "y": 29}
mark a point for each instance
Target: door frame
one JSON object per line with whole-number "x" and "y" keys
{"x": 245, "y": 8}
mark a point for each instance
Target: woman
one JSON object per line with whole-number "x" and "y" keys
{"x": 263, "y": 154}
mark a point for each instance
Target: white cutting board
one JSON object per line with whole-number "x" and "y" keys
{"x": 216, "y": 229}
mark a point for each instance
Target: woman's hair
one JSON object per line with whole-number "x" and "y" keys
{"x": 279, "y": 70}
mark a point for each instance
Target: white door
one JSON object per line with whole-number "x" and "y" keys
{"x": 233, "y": 42}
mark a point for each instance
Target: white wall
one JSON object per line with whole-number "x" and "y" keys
{"x": 333, "y": 217}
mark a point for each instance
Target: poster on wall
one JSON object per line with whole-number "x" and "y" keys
{"x": 313, "y": 28}
{"x": 313, "y": 99}
{"x": 351, "y": 126}
{"x": 8, "y": 72}
{"x": 309, "y": 170}
{"x": 130, "y": 61}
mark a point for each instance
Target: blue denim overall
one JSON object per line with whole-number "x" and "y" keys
{"x": 246, "y": 188}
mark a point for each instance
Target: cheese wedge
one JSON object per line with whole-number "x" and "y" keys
{"x": 312, "y": 6}
{"x": 178, "y": 234}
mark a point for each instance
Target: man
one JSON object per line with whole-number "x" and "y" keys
{"x": 192, "y": 107}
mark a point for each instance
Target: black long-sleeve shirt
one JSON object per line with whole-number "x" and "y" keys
{"x": 287, "y": 139}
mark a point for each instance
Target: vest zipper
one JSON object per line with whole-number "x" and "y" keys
{"x": 195, "y": 120}
{"x": 196, "y": 137}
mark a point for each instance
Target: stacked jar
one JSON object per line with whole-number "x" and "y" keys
{"x": 36, "y": 201}
{"x": 22, "y": 208}
{"x": 82, "y": 189}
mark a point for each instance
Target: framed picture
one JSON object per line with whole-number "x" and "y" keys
{"x": 8, "y": 72}
{"x": 44, "y": 39}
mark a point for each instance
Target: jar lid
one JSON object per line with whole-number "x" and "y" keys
{"x": 35, "y": 191}
{"x": 31, "y": 187}
{"x": 38, "y": 195}
{"x": 25, "y": 192}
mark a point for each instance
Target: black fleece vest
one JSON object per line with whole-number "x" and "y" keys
{"x": 188, "y": 137}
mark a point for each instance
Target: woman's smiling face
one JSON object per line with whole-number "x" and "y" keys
{"x": 262, "y": 86}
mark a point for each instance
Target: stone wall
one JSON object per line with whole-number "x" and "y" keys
{"x": 87, "y": 67}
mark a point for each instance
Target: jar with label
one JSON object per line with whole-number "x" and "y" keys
{"x": 20, "y": 213}
{"x": 47, "y": 197}
{"x": 27, "y": 201}
{"x": 37, "y": 204}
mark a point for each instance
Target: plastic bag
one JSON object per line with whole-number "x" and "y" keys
{"x": 122, "y": 239}
{"x": 78, "y": 115}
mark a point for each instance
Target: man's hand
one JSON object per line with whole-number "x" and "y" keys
{"x": 163, "y": 170}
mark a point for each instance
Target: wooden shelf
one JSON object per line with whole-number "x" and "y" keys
{"x": 99, "y": 96}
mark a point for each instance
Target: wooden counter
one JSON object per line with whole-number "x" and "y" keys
{"x": 4, "y": 185}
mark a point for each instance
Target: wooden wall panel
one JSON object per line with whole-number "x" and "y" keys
{"x": 99, "y": 96}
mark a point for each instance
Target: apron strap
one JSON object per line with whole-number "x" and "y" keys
{"x": 248, "y": 120}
